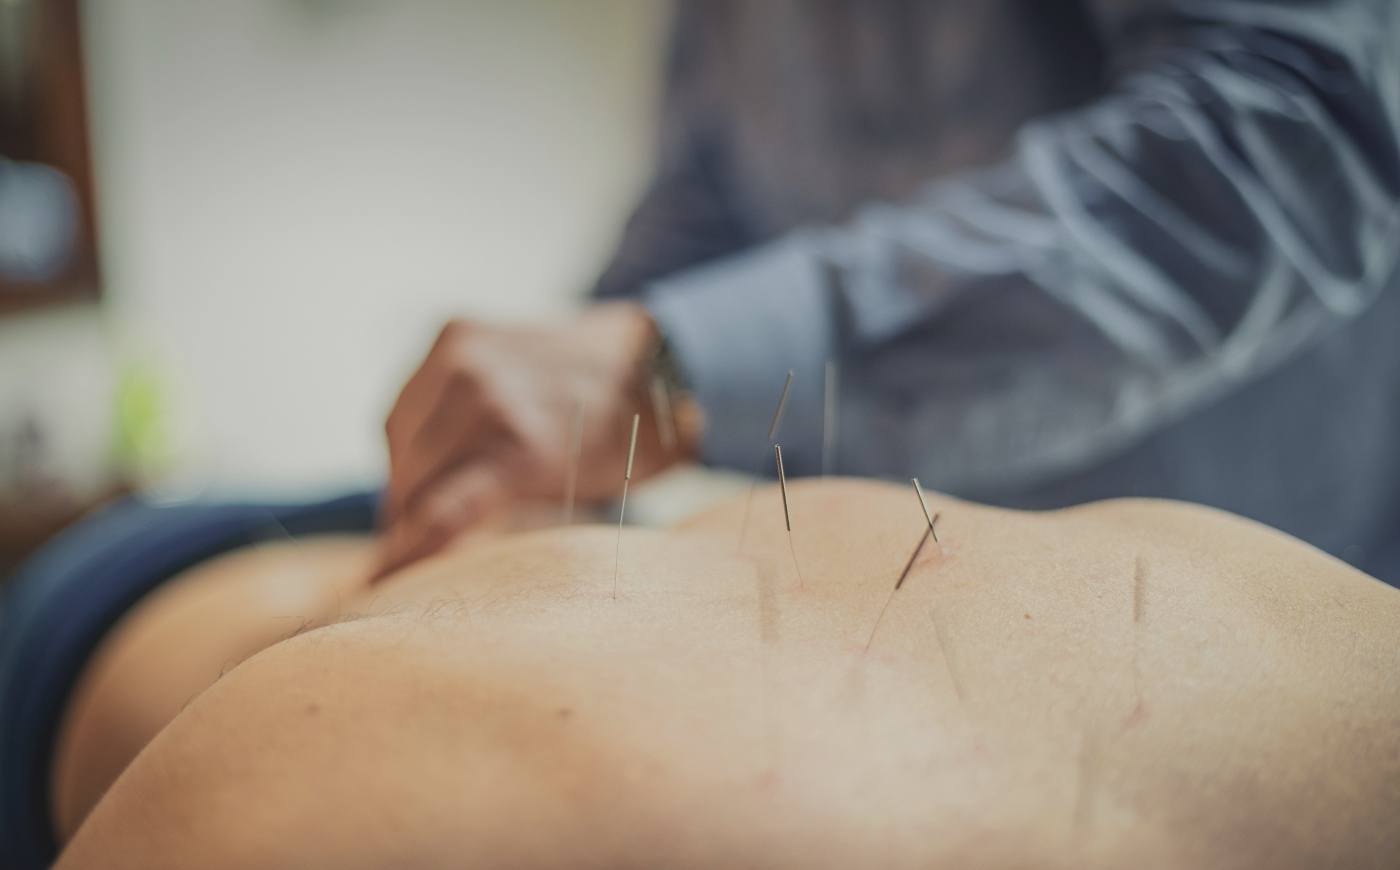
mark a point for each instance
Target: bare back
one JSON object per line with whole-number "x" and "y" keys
{"x": 1124, "y": 682}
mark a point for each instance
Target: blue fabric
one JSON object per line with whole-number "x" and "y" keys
{"x": 61, "y": 603}
{"x": 1150, "y": 250}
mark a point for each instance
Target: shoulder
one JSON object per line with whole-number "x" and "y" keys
{"x": 351, "y": 746}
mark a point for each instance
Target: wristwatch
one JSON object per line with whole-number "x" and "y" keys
{"x": 664, "y": 365}
{"x": 679, "y": 420}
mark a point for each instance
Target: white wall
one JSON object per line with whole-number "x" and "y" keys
{"x": 295, "y": 193}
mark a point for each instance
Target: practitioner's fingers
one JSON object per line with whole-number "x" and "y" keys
{"x": 506, "y": 396}
{"x": 422, "y": 397}
{"x": 465, "y": 425}
{"x": 455, "y": 504}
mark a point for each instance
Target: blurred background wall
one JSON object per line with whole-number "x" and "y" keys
{"x": 292, "y": 195}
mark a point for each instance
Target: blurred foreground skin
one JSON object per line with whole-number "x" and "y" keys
{"x": 1127, "y": 683}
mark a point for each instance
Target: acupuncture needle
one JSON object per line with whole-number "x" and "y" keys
{"x": 787, "y": 515}
{"x": 782, "y": 403}
{"x": 772, "y": 430}
{"x": 919, "y": 491}
{"x": 622, "y": 510}
{"x": 924, "y": 536}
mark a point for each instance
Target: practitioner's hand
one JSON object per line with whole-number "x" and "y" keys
{"x": 488, "y": 418}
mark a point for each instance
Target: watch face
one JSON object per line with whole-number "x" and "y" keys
{"x": 665, "y": 366}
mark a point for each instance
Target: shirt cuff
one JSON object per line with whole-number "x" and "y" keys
{"x": 736, "y": 327}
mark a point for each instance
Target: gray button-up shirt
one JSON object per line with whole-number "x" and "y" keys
{"x": 1060, "y": 250}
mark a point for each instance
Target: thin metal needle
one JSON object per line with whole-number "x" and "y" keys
{"x": 919, "y": 491}
{"x": 931, "y": 519}
{"x": 923, "y": 538}
{"x": 622, "y": 511}
{"x": 782, "y": 403}
{"x": 280, "y": 527}
{"x": 787, "y": 516}
{"x": 909, "y": 566}
{"x": 575, "y": 455}
{"x": 829, "y": 418}
{"x": 661, "y": 407}
{"x": 772, "y": 430}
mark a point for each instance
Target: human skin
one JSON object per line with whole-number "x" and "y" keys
{"x": 1125, "y": 683}
{"x": 477, "y": 427}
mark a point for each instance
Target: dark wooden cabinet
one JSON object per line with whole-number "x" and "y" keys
{"x": 48, "y": 239}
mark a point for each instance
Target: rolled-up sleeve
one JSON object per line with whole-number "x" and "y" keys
{"x": 1235, "y": 197}
{"x": 736, "y": 337}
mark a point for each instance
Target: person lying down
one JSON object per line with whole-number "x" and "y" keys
{"x": 1127, "y": 683}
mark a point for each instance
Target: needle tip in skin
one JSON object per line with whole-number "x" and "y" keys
{"x": 787, "y": 515}
{"x": 622, "y": 511}
{"x": 919, "y": 491}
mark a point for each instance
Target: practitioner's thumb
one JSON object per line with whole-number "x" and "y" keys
{"x": 456, "y": 504}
